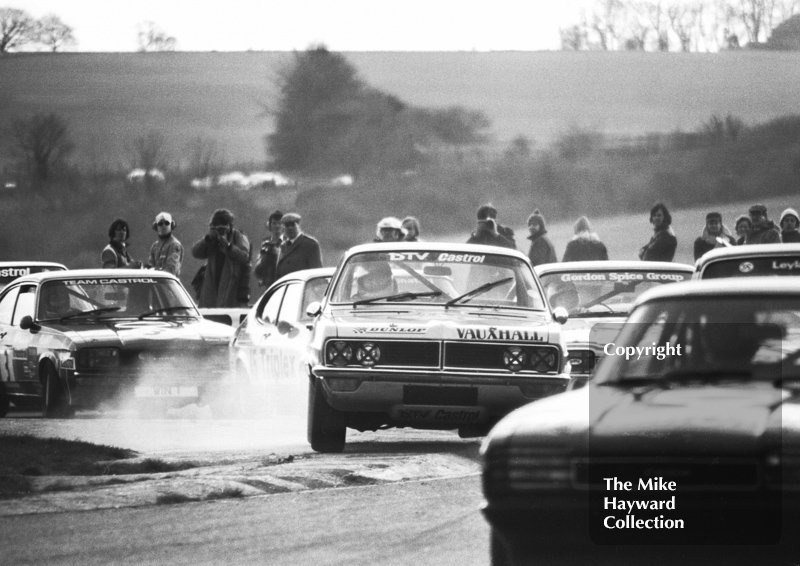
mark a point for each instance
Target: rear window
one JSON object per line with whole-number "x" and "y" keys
{"x": 753, "y": 267}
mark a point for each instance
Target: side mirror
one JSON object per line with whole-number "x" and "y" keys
{"x": 284, "y": 327}
{"x": 314, "y": 309}
{"x": 560, "y": 315}
{"x": 27, "y": 324}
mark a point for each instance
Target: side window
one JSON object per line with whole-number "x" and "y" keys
{"x": 314, "y": 291}
{"x": 290, "y": 310}
{"x": 25, "y": 303}
{"x": 7, "y": 305}
{"x": 269, "y": 313}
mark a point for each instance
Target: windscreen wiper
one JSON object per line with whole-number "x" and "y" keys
{"x": 398, "y": 297}
{"x": 477, "y": 291}
{"x": 84, "y": 313}
{"x": 164, "y": 310}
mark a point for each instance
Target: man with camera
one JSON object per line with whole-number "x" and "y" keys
{"x": 489, "y": 232}
{"x": 267, "y": 265}
{"x": 226, "y": 282}
{"x": 166, "y": 253}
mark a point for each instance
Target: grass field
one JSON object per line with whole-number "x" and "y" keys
{"x": 110, "y": 98}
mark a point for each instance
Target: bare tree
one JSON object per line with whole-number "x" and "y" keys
{"x": 684, "y": 20}
{"x": 752, "y": 14}
{"x": 43, "y": 140}
{"x": 607, "y": 20}
{"x": 205, "y": 157}
{"x": 54, "y": 33}
{"x": 151, "y": 154}
{"x": 657, "y": 14}
{"x": 573, "y": 38}
{"x": 639, "y": 27}
{"x": 152, "y": 38}
{"x": 17, "y": 28}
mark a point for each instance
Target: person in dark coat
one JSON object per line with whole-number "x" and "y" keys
{"x": 267, "y": 265}
{"x": 764, "y": 230}
{"x": 743, "y": 226}
{"x": 715, "y": 233}
{"x": 298, "y": 251}
{"x": 662, "y": 245}
{"x": 542, "y": 250}
{"x": 487, "y": 231}
{"x": 585, "y": 245}
{"x": 790, "y": 223}
{"x": 226, "y": 282}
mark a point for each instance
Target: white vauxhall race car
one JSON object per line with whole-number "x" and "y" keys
{"x": 431, "y": 336}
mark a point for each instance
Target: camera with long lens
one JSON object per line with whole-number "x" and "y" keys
{"x": 221, "y": 230}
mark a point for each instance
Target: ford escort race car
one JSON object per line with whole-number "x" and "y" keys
{"x": 683, "y": 449}
{"x": 754, "y": 260}
{"x": 85, "y": 338}
{"x": 598, "y": 296}
{"x": 10, "y": 270}
{"x": 437, "y": 336}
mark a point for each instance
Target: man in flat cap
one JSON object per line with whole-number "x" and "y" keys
{"x": 166, "y": 253}
{"x": 764, "y": 230}
{"x": 298, "y": 250}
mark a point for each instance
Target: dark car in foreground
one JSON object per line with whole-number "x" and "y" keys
{"x": 89, "y": 338}
{"x": 686, "y": 452}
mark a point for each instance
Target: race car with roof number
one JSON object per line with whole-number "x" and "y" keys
{"x": 432, "y": 336}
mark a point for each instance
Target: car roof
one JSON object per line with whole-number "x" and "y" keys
{"x": 434, "y": 246}
{"x": 307, "y": 274}
{"x": 750, "y": 250}
{"x": 736, "y": 286}
{"x": 612, "y": 265}
{"x": 4, "y": 264}
{"x": 91, "y": 273}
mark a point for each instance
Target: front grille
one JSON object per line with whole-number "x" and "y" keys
{"x": 516, "y": 470}
{"x": 440, "y": 396}
{"x": 384, "y": 353}
{"x": 688, "y": 473}
{"x": 583, "y": 361}
{"x": 482, "y": 356}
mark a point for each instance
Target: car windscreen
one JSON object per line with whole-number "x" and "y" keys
{"x": 708, "y": 338}
{"x": 753, "y": 267}
{"x": 8, "y": 274}
{"x": 110, "y": 297}
{"x": 438, "y": 277}
{"x": 603, "y": 293}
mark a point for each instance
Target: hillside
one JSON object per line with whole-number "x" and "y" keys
{"x": 110, "y": 98}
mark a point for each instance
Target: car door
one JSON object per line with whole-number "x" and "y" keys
{"x": 24, "y": 342}
{"x": 262, "y": 333}
{"x": 7, "y": 302}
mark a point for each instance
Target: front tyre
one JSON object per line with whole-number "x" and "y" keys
{"x": 5, "y": 403}
{"x": 326, "y": 428}
{"x": 54, "y": 402}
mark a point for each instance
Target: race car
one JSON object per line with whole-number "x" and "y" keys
{"x": 754, "y": 260}
{"x": 598, "y": 296}
{"x": 89, "y": 338}
{"x": 10, "y": 270}
{"x": 268, "y": 353}
{"x": 683, "y": 449}
{"x": 432, "y": 336}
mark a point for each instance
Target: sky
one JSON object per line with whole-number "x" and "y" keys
{"x": 342, "y": 25}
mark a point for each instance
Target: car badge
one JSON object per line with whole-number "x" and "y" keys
{"x": 746, "y": 267}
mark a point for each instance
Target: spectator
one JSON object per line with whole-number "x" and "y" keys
{"x": 743, "y": 227}
{"x": 488, "y": 211}
{"x": 115, "y": 254}
{"x": 714, "y": 235}
{"x": 166, "y": 253}
{"x": 389, "y": 229}
{"x": 487, "y": 235}
{"x": 298, "y": 250}
{"x": 662, "y": 245}
{"x": 267, "y": 267}
{"x": 790, "y": 223}
{"x": 764, "y": 230}
{"x": 585, "y": 245}
{"x": 411, "y": 226}
{"x": 227, "y": 254}
{"x": 542, "y": 250}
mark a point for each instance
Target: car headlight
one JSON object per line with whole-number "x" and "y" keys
{"x": 368, "y": 354}
{"x": 339, "y": 353}
{"x": 98, "y": 358}
{"x": 544, "y": 360}
{"x": 65, "y": 359}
